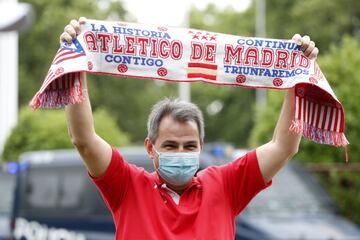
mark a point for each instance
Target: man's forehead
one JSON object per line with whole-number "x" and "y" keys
{"x": 168, "y": 125}
{"x": 178, "y": 137}
{"x": 177, "y": 132}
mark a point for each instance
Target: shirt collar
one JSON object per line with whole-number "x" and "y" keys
{"x": 158, "y": 183}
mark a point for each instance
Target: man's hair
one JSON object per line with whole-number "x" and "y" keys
{"x": 180, "y": 111}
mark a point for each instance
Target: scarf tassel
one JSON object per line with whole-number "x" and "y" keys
{"x": 55, "y": 97}
{"x": 320, "y": 135}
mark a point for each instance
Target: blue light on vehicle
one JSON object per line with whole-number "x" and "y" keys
{"x": 218, "y": 151}
{"x": 23, "y": 165}
{"x": 12, "y": 167}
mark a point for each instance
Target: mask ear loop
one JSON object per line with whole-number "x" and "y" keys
{"x": 157, "y": 172}
{"x": 157, "y": 152}
{"x": 152, "y": 157}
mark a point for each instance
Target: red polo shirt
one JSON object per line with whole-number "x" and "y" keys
{"x": 207, "y": 209}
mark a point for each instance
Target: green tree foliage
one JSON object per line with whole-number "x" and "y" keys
{"x": 265, "y": 119}
{"x": 224, "y": 21}
{"x": 228, "y": 112}
{"x": 345, "y": 188}
{"x": 325, "y": 21}
{"x": 45, "y": 129}
{"x": 129, "y": 101}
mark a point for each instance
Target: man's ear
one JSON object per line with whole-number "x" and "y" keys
{"x": 149, "y": 147}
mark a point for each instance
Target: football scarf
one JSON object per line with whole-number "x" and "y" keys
{"x": 189, "y": 55}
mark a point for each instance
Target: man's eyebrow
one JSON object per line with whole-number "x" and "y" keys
{"x": 169, "y": 142}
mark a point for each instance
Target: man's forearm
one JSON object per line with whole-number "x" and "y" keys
{"x": 286, "y": 140}
{"x": 284, "y": 144}
{"x": 80, "y": 119}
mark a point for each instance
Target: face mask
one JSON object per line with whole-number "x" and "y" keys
{"x": 178, "y": 168}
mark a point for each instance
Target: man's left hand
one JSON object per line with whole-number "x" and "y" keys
{"x": 307, "y": 46}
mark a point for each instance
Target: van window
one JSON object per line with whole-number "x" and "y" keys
{"x": 55, "y": 191}
{"x": 42, "y": 189}
{"x": 291, "y": 192}
{"x": 71, "y": 186}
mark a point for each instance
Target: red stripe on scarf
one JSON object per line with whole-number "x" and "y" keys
{"x": 202, "y": 75}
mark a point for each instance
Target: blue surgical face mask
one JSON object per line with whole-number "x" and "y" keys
{"x": 178, "y": 168}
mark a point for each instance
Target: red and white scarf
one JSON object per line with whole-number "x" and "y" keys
{"x": 189, "y": 55}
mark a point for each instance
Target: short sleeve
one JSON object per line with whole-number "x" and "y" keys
{"x": 114, "y": 183}
{"x": 243, "y": 180}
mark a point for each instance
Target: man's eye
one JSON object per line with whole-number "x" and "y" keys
{"x": 191, "y": 147}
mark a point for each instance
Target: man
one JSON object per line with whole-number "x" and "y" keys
{"x": 172, "y": 203}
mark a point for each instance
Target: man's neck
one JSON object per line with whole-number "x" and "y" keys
{"x": 178, "y": 190}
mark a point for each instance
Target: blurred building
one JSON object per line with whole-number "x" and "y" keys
{"x": 14, "y": 17}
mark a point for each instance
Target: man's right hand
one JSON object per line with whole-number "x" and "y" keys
{"x": 72, "y": 30}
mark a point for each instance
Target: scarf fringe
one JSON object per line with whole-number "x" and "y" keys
{"x": 318, "y": 135}
{"x": 58, "y": 98}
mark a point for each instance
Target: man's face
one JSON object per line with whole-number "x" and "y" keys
{"x": 174, "y": 136}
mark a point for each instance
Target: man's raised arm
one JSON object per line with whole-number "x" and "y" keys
{"x": 95, "y": 152}
{"x": 284, "y": 144}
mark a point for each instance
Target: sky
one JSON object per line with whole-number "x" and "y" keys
{"x": 173, "y": 12}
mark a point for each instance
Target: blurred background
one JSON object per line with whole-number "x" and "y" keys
{"x": 232, "y": 114}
